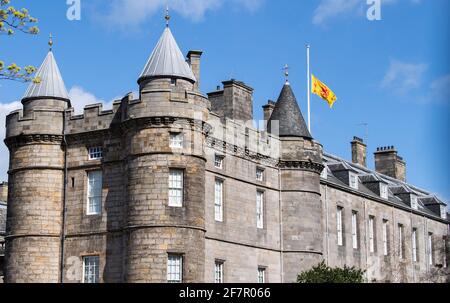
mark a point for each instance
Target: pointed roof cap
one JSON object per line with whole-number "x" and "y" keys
{"x": 167, "y": 60}
{"x": 51, "y": 84}
{"x": 289, "y": 115}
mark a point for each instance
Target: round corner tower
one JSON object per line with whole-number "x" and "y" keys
{"x": 164, "y": 135}
{"x": 300, "y": 168}
{"x": 34, "y": 137}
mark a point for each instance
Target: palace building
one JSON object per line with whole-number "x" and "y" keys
{"x": 175, "y": 185}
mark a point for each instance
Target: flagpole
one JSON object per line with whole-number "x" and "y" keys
{"x": 309, "y": 86}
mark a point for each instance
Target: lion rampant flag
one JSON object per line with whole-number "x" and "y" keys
{"x": 323, "y": 91}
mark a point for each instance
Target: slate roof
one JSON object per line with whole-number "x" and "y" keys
{"x": 289, "y": 115}
{"x": 336, "y": 164}
{"x": 167, "y": 60}
{"x": 51, "y": 84}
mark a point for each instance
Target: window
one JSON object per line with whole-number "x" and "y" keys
{"x": 173, "y": 81}
{"x": 384, "y": 191}
{"x": 372, "y": 234}
{"x": 260, "y": 210}
{"x": 218, "y": 161}
{"x": 261, "y": 275}
{"x": 324, "y": 174}
{"x": 91, "y": 271}
{"x": 175, "y": 269}
{"x": 353, "y": 181}
{"x": 218, "y": 274}
{"x": 430, "y": 248}
{"x": 176, "y": 188}
{"x": 355, "y": 229}
{"x": 94, "y": 199}
{"x": 401, "y": 249}
{"x": 176, "y": 140}
{"x": 443, "y": 212}
{"x": 414, "y": 204}
{"x": 340, "y": 238}
{"x": 260, "y": 174}
{"x": 414, "y": 244}
{"x": 95, "y": 153}
{"x": 385, "y": 237}
{"x": 218, "y": 200}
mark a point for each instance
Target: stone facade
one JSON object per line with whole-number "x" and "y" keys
{"x": 49, "y": 231}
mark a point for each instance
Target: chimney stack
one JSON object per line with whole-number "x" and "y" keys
{"x": 4, "y": 192}
{"x": 359, "y": 151}
{"x": 194, "y": 61}
{"x": 389, "y": 163}
{"x": 268, "y": 110}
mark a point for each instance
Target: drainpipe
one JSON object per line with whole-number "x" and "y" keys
{"x": 365, "y": 239}
{"x": 63, "y": 232}
{"x": 412, "y": 252}
{"x": 327, "y": 227}
{"x": 280, "y": 204}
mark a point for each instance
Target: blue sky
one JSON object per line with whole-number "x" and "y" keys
{"x": 393, "y": 74}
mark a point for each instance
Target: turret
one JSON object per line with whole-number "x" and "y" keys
{"x": 166, "y": 174}
{"x": 300, "y": 165}
{"x": 34, "y": 137}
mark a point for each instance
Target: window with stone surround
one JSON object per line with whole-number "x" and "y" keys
{"x": 401, "y": 242}
{"x": 176, "y": 140}
{"x": 355, "y": 229}
{"x": 218, "y": 161}
{"x": 174, "y": 268}
{"x": 372, "y": 234}
{"x": 259, "y": 174}
{"x": 414, "y": 245}
{"x": 91, "y": 269}
{"x": 95, "y": 153}
{"x": 430, "y": 248}
{"x": 260, "y": 209}
{"x": 94, "y": 192}
{"x": 261, "y": 275}
{"x": 218, "y": 200}
{"x": 176, "y": 186}
{"x": 385, "y": 237}
{"x": 218, "y": 271}
{"x": 339, "y": 226}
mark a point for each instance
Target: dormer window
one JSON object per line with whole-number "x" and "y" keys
{"x": 353, "y": 180}
{"x": 414, "y": 203}
{"x": 443, "y": 212}
{"x": 384, "y": 193}
{"x": 324, "y": 174}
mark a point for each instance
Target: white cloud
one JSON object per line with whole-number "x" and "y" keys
{"x": 402, "y": 76}
{"x": 80, "y": 98}
{"x": 329, "y": 9}
{"x": 134, "y": 12}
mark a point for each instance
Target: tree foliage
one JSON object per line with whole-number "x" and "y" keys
{"x": 325, "y": 274}
{"x": 14, "y": 20}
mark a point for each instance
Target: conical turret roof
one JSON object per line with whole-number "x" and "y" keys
{"x": 288, "y": 114}
{"x": 51, "y": 84}
{"x": 167, "y": 60}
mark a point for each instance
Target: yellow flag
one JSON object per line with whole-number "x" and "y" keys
{"x": 323, "y": 91}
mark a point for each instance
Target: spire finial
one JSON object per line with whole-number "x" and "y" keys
{"x": 167, "y": 17}
{"x": 50, "y": 41}
{"x": 286, "y": 73}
